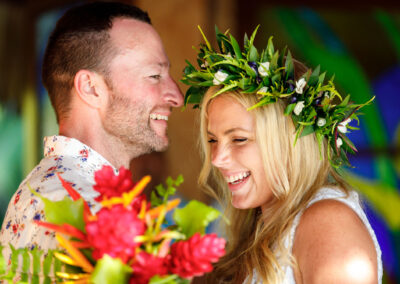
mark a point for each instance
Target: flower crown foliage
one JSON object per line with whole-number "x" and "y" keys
{"x": 128, "y": 240}
{"x": 313, "y": 102}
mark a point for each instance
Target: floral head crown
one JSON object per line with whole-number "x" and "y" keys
{"x": 314, "y": 105}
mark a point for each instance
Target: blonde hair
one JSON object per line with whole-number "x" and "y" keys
{"x": 294, "y": 173}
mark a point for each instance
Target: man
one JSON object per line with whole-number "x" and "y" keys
{"x": 108, "y": 79}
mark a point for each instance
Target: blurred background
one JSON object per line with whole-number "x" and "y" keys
{"x": 358, "y": 42}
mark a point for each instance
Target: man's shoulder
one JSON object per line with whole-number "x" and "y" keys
{"x": 44, "y": 177}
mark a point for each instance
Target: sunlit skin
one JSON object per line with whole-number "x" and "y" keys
{"x": 235, "y": 152}
{"x": 332, "y": 245}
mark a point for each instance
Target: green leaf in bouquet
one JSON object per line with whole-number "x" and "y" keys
{"x": 110, "y": 270}
{"x": 170, "y": 279}
{"x": 65, "y": 211}
{"x": 195, "y": 217}
{"x": 36, "y": 264}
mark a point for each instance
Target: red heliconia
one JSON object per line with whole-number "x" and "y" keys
{"x": 110, "y": 185}
{"x": 194, "y": 256}
{"x": 146, "y": 266}
{"x": 114, "y": 231}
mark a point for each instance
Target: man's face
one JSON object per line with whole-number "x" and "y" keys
{"x": 142, "y": 92}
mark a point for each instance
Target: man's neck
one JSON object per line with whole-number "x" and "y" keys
{"x": 110, "y": 147}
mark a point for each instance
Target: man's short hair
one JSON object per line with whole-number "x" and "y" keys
{"x": 81, "y": 40}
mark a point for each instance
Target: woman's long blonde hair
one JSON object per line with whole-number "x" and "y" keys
{"x": 294, "y": 173}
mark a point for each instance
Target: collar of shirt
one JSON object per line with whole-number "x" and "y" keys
{"x": 66, "y": 146}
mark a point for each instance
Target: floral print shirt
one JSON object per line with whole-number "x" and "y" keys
{"x": 76, "y": 162}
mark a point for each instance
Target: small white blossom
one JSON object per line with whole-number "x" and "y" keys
{"x": 298, "y": 108}
{"x": 326, "y": 94}
{"x": 204, "y": 65}
{"x": 219, "y": 77}
{"x": 262, "y": 90}
{"x": 229, "y": 55}
{"x": 300, "y": 85}
{"x": 263, "y": 68}
{"x": 321, "y": 121}
{"x": 342, "y": 127}
{"x": 339, "y": 142}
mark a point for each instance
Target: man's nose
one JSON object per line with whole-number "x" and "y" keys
{"x": 173, "y": 94}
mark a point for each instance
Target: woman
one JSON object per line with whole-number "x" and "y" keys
{"x": 272, "y": 139}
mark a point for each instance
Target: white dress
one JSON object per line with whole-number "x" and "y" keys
{"x": 328, "y": 193}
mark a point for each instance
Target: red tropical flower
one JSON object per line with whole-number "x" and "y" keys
{"x": 146, "y": 266}
{"x": 194, "y": 256}
{"x": 114, "y": 231}
{"x": 110, "y": 185}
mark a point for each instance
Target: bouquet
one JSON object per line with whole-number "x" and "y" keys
{"x": 128, "y": 240}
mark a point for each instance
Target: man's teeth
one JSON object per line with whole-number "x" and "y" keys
{"x": 158, "y": 117}
{"x": 237, "y": 178}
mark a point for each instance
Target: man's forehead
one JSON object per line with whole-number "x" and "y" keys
{"x": 131, "y": 31}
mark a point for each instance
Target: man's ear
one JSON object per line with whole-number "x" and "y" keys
{"x": 90, "y": 87}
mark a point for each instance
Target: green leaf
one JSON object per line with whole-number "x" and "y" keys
{"x": 289, "y": 67}
{"x": 270, "y": 47}
{"x": 253, "y": 36}
{"x": 226, "y": 88}
{"x": 245, "y": 40}
{"x": 168, "y": 279}
{"x": 65, "y": 211}
{"x": 253, "y": 54}
{"x": 205, "y": 39}
{"x": 110, "y": 270}
{"x": 307, "y": 130}
{"x": 314, "y": 77}
{"x": 345, "y": 101}
{"x": 236, "y": 48}
{"x": 25, "y": 265}
{"x": 217, "y": 35}
{"x": 195, "y": 217}
{"x": 321, "y": 78}
{"x": 289, "y": 109}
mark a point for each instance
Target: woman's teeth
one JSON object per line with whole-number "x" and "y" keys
{"x": 237, "y": 178}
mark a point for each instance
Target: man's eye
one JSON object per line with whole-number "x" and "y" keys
{"x": 157, "y": 77}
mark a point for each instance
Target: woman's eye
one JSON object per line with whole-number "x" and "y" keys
{"x": 211, "y": 140}
{"x": 240, "y": 140}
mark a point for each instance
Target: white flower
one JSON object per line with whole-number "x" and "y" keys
{"x": 229, "y": 55}
{"x": 263, "y": 68}
{"x": 219, "y": 77}
{"x": 342, "y": 127}
{"x": 300, "y": 85}
{"x": 321, "y": 121}
{"x": 339, "y": 142}
{"x": 298, "y": 108}
{"x": 204, "y": 65}
{"x": 262, "y": 90}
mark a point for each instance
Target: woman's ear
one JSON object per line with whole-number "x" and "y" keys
{"x": 90, "y": 88}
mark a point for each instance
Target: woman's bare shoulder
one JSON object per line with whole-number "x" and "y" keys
{"x": 332, "y": 245}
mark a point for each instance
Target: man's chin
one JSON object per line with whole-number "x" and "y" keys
{"x": 161, "y": 144}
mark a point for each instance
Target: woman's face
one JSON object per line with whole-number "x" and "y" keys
{"x": 235, "y": 152}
